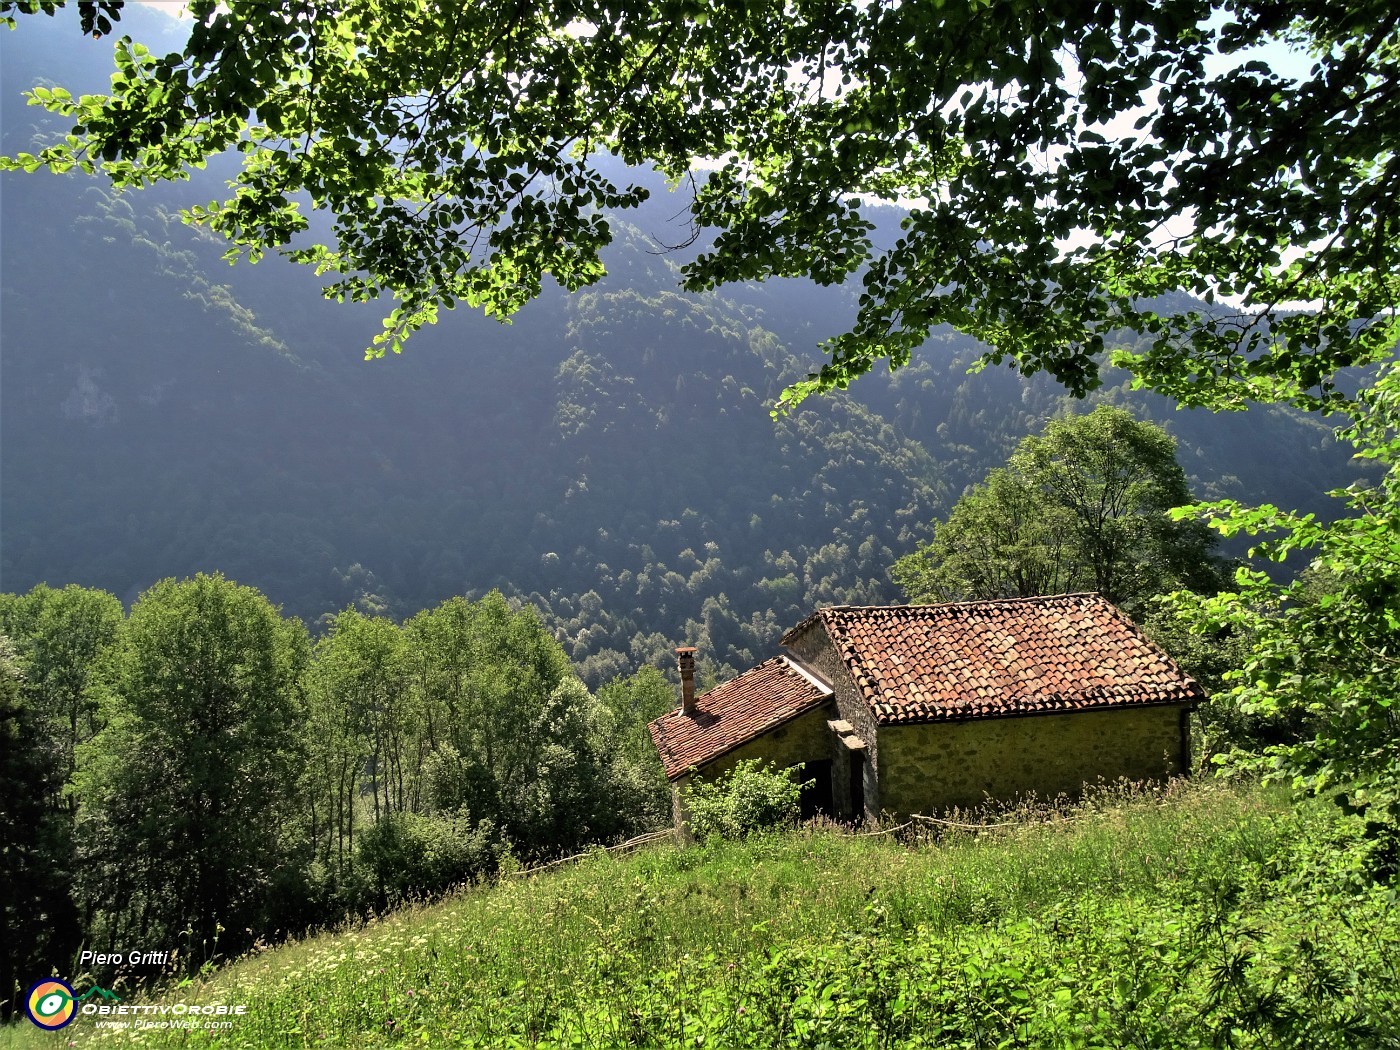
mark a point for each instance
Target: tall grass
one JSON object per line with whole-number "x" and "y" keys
{"x": 1208, "y": 915}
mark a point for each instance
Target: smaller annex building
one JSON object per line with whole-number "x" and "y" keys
{"x": 919, "y": 708}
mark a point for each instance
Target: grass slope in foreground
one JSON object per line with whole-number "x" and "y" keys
{"x": 1211, "y": 916}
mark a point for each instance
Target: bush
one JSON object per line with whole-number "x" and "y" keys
{"x": 408, "y": 854}
{"x": 749, "y": 798}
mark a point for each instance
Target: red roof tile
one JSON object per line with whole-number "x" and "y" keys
{"x": 933, "y": 663}
{"x": 731, "y": 714}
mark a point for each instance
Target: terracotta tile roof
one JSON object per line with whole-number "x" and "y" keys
{"x": 932, "y": 663}
{"x": 760, "y": 699}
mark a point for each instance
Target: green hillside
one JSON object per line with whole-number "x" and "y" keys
{"x": 1218, "y": 916}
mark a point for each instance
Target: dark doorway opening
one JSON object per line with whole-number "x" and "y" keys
{"x": 816, "y": 789}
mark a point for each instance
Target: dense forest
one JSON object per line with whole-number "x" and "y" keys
{"x": 609, "y": 457}
{"x": 199, "y": 773}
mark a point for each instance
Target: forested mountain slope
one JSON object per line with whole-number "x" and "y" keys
{"x": 609, "y": 456}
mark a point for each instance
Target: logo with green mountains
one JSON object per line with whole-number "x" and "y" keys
{"x": 99, "y": 993}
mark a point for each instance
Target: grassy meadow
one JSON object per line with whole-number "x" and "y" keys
{"x": 1211, "y": 915}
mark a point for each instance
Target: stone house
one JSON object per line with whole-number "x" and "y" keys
{"x": 919, "y": 708}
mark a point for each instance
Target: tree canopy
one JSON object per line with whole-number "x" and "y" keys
{"x": 1325, "y": 647}
{"x": 1066, "y": 165}
{"x": 189, "y": 786}
{"x": 39, "y": 920}
{"x": 1081, "y": 507}
{"x": 58, "y": 635}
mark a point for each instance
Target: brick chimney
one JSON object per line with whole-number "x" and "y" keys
{"x": 685, "y": 660}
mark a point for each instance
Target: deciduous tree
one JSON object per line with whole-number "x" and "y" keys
{"x": 358, "y": 735}
{"x": 519, "y": 740}
{"x": 36, "y": 913}
{"x": 1003, "y": 538}
{"x": 627, "y": 705}
{"x": 58, "y": 636}
{"x": 187, "y": 791}
{"x": 1326, "y": 655}
{"x": 1067, "y": 163}
{"x": 1083, "y": 506}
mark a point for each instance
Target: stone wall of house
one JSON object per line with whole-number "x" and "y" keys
{"x": 928, "y": 768}
{"x": 814, "y": 650}
{"x": 679, "y": 815}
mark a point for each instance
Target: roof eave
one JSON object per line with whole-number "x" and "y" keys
{"x": 683, "y": 770}
{"x": 882, "y": 719}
